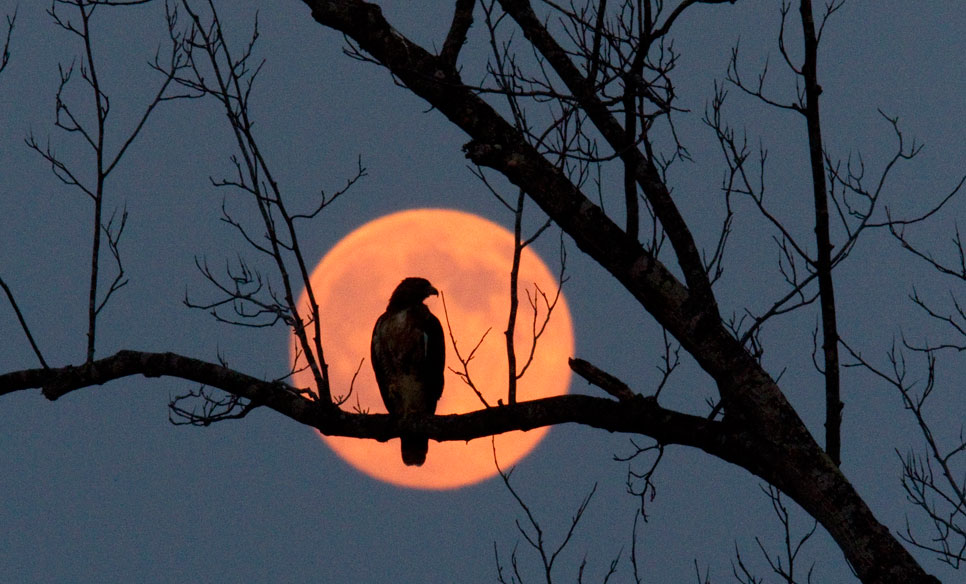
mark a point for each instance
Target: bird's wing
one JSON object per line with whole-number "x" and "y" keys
{"x": 435, "y": 358}
{"x": 381, "y": 357}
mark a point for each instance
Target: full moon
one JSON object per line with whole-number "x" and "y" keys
{"x": 468, "y": 259}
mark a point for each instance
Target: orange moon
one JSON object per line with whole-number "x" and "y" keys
{"x": 468, "y": 259}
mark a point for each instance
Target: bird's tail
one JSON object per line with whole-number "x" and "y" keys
{"x": 414, "y": 450}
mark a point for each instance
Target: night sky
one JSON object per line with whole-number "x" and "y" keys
{"x": 100, "y": 487}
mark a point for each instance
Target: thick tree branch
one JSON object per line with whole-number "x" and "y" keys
{"x": 638, "y": 415}
{"x": 456, "y": 37}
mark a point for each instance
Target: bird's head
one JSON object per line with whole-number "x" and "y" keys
{"x": 411, "y": 291}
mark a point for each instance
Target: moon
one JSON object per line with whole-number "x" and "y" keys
{"x": 468, "y": 259}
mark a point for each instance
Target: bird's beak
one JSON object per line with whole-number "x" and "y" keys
{"x": 433, "y": 291}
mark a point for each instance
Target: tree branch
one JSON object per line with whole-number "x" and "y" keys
{"x": 823, "y": 264}
{"x": 23, "y": 323}
{"x": 5, "y": 51}
{"x": 639, "y": 415}
{"x": 456, "y": 37}
{"x": 602, "y": 379}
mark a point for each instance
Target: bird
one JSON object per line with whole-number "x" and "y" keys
{"x": 408, "y": 355}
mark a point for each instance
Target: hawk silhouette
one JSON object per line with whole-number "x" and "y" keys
{"x": 408, "y": 355}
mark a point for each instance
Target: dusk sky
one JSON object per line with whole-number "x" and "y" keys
{"x": 100, "y": 487}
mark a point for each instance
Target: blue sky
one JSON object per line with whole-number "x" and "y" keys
{"x": 100, "y": 487}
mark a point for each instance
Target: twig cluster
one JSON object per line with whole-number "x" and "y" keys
{"x": 212, "y": 68}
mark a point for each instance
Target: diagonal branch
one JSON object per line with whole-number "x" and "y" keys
{"x": 5, "y": 51}
{"x": 456, "y": 37}
{"x": 602, "y": 379}
{"x": 23, "y": 323}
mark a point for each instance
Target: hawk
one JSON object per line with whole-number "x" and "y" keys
{"x": 408, "y": 354}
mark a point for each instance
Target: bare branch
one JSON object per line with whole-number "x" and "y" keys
{"x": 464, "y": 375}
{"x": 230, "y": 80}
{"x": 456, "y": 37}
{"x": 5, "y": 51}
{"x": 602, "y": 379}
{"x": 641, "y": 484}
{"x": 783, "y": 564}
{"x": 941, "y": 496}
{"x": 758, "y": 91}
{"x": 213, "y": 408}
{"x": 95, "y": 136}
{"x": 23, "y": 323}
{"x": 533, "y": 533}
